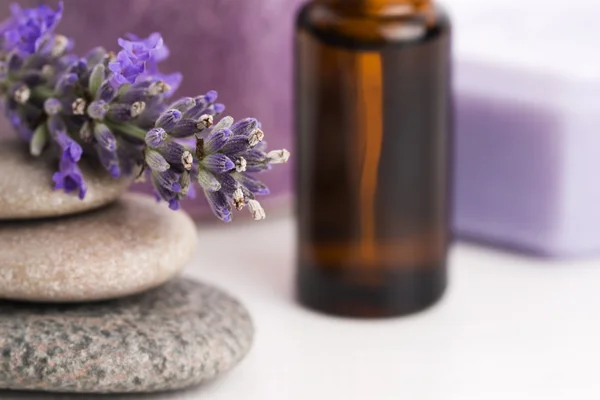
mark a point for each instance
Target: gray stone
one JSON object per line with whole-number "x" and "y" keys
{"x": 127, "y": 247}
{"x": 172, "y": 337}
{"x": 26, "y": 186}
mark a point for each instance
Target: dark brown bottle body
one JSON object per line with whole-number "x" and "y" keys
{"x": 372, "y": 156}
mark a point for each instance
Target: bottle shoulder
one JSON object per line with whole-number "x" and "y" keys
{"x": 372, "y": 31}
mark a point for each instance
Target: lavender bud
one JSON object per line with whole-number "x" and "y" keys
{"x": 223, "y": 123}
{"x": 119, "y": 112}
{"x": 278, "y": 156}
{"x": 14, "y": 62}
{"x": 211, "y": 96}
{"x": 238, "y": 199}
{"x": 109, "y": 57}
{"x": 163, "y": 192}
{"x": 218, "y": 163}
{"x": 187, "y": 160}
{"x": 235, "y": 145}
{"x": 183, "y": 104}
{"x": 22, "y": 94}
{"x": 256, "y": 137}
{"x": 256, "y": 210}
{"x": 131, "y": 95}
{"x": 32, "y": 78}
{"x": 244, "y": 127}
{"x": 157, "y": 88}
{"x": 219, "y": 205}
{"x": 105, "y": 137}
{"x": 253, "y": 167}
{"x": 59, "y": 45}
{"x": 205, "y": 122}
{"x": 156, "y": 161}
{"x": 85, "y": 132}
{"x": 228, "y": 183}
{"x": 106, "y": 92}
{"x": 184, "y": 128}
{"x": 169, "y": 180}
{"x": 168, "y": 119}
{"x": 137, "y": 108}
{"x": 240, "y": 164}
{"x": 218, "y": 108}
{"x": 208, "y": 181}
{"x": 97, "y": 109}
{"x": 255, "y": 156}
{"x": 109, "y": 160}
{"x": 78, "y": 106}
{"x": 39, "y": 140}
{"x": 254, "y": 185}
{"x": 48, "y": 70}
{"x": 96, "y": 78}
{"x": 95, "y": 56}
{"x": 66, "y": 83}
{"x": 79, "y": 67}
{"x": 185, "y": 183}
{"x": 216, "y": 140}
{"x": 52, "y": 106}
{"x": 173, "y": 152}
{"x": 155, "y": 137}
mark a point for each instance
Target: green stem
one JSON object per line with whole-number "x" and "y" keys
{"x": 128, "y": 129}
{"x": 42, "y": 92}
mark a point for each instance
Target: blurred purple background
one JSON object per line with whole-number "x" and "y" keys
{"x": 241, "y": 48}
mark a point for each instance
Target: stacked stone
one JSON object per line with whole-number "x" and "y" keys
{"x": 92, "y": 301}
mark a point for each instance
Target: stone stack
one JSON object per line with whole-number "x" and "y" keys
{"x": 92, "y": 301}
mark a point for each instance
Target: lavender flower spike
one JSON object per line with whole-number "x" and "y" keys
{"x": 115, "y": 108}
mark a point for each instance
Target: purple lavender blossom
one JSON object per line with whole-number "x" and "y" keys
{"x": 28, "y": 30}
{"x": 124, "y": 70}
{"x": 149, "y": 52}
{"x": 69, "y": 178}
{"x": 142, "y": 50}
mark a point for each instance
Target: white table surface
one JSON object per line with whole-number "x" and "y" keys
{"x": 508, "y": 328}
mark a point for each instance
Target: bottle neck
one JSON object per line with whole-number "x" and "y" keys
{"x": 377, "y": 7}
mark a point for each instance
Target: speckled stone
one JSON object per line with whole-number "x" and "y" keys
{"x": 26, "y": 186}
{"x": 127, "y": 247}
{"x": 172, "y": 337}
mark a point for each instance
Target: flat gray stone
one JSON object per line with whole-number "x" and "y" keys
{"x": 172, "y": 337}
{"x": 127, "y": 247}
{"x": 26, "y": 186}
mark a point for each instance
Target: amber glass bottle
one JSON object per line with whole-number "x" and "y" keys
{"x": 373, "y": 138}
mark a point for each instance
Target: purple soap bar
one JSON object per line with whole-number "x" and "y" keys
{"x": 242, "y": 49}
{"x": 527, "y": 138}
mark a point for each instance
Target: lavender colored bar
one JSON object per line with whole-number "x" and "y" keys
{"x": 528, "y": 117}
{"x": 527, "y": 156}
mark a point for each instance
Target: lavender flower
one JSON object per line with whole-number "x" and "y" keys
{"x": 29, "y": 30}
{"x": 69, "y": 178}
{"x": 116, "y": 108}
{"x": 142, "y": 50}
{"x": 124, "y": 70}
